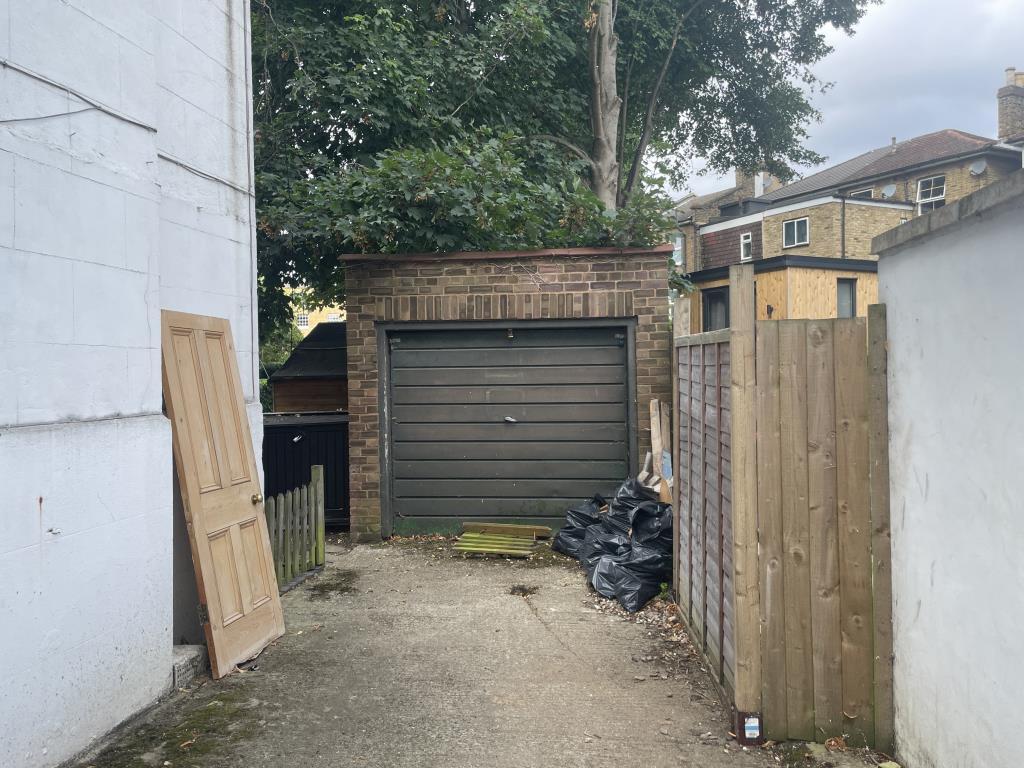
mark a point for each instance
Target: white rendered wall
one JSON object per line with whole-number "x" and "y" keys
{"x": 107, "y": 216}
{"x": 956, "y": 378}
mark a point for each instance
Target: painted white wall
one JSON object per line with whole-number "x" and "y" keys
{"x": 956, "y": 367}
{"x": 137, "y": 204}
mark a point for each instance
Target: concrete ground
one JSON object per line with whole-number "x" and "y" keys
{"x": 405, "y": 654}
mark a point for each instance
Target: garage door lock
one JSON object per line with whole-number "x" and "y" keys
{"x": 511, "y": 420}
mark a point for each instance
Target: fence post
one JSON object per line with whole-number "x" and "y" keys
{"x": 279, "y": 535}
{"x": 747, "y": 600}
{"x": 270, "y": 513}
{"x": 289, "y": 502}
{"x": 317, "y": 475}
{"x": 677, "y": 331}
{"x": 304, "y": 527}
{"x": 881, "y": 544}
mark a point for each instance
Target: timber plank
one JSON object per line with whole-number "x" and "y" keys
{"x": 881, "y": 544}
{"x": 796, "y": 528}
{"x": 854, "y": 507}
{"x": 530, "y": 531}
{"x": 824, "y": 534}
{"x": 746, "y": 583}
{"x": 769, "y": 500}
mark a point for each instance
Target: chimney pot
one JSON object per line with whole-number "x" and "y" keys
{"x": 1011, "y": 75}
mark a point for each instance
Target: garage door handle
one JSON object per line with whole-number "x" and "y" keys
{"x": 511, "y": 420}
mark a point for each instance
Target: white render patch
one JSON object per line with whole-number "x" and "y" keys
{"x": 952, "y": 289}
{"x": 132, "y": 195}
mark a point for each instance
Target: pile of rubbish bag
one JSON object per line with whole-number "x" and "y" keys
{"x": 625, "y": 544}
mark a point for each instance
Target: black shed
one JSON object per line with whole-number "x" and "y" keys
{"x": 314, "y": 379}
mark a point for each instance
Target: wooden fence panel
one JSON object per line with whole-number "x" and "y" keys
{"x": 705, "y": 551}
{"x": 796, "y": 528}
{"x": 769, "y": 508}
{"x": 824, "y": 526}
{"x": 786, "y": 566}
{"x": 296, "y": 521}
{"x": 854, "y": 505}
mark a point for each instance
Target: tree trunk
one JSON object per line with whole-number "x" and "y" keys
{"x": 605, "y": 104}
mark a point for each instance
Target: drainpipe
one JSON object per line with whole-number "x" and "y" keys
{"x": 842, "y": 227}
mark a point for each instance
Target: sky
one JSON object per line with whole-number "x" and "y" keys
{"x": 912, "y": 67}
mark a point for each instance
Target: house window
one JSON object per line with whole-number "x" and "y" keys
{"x": 846, "y": 297}
{"x": 931, "y": 193}
{"x": 679, "y": 250}
{"x": 333, "y": 317}
{"x": 715, "y": 308}
{"x": 302, "y": 319}
{"x": 746, "y": 246}
{"x": 796, "y": 232}
{"x": 863, "y": 193}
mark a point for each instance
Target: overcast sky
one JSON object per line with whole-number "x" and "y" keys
{"x": 913, "y": 66}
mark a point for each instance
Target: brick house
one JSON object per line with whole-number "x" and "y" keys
{"x": 499, "y": 386}
{"x": 810, "y": 241}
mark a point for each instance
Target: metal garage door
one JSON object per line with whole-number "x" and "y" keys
{"x": 506, "y": 422}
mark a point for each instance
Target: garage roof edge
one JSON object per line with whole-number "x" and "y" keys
{"x": 496, "y": 255}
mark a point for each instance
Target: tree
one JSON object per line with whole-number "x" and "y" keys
{"x": 358, "y": 104}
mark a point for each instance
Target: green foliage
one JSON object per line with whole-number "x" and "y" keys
{"x": 275, "y": 347}
{"x": 421, "y": 125}
{"x": 479, "y": 193}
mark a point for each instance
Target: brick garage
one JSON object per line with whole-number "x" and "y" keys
{"x": 452, "y": 290}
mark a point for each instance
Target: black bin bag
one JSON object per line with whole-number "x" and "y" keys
{"x": 626, "y": 551}
{"x": 569, "y": 539}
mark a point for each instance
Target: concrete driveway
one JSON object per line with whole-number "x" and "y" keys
{"x": 403, "y": 654}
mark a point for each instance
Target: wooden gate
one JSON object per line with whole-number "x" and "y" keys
{"x": 783, "y": 567}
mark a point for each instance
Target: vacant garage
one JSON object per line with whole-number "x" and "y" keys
{"x": 514, "y": 420}
{"x": 499, "y": 386}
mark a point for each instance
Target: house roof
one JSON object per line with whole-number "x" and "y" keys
{"x": 920, "y": 150}
{"x": 322, "y": 354}
{"x": 697, "y": 202}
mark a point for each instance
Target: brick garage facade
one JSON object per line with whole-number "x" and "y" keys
{"x": 575, "y": 283}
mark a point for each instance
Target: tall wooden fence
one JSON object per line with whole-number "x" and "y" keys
{"x": 705, "y": 583}
{"x": 783, "y": 566}
{"x": 295, "y": 520}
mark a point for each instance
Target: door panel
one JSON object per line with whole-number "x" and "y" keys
{"x": 506, "y": 422}
{"x": 220, "y": 489}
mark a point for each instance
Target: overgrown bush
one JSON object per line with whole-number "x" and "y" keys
{"x": 490, "y": 194}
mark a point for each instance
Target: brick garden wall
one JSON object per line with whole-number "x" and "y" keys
{"x": 531, "y": 286}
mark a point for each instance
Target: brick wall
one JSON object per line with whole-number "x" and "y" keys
{"x": 823, "y": 232}
{"x": 864, "y": 222}
{"x": 585, "y": 284}
{"x": 722, "y": 248}
{"x": 960, "y": 182}
{"x": 826, "y": 234}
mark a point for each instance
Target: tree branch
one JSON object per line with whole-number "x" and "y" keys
{"x": 652, "y": 103}
{"x": 581, "y": 154}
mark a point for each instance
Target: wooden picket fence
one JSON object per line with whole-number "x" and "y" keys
{"x": 783, "y": 569}
{"x": 295, "y": 520}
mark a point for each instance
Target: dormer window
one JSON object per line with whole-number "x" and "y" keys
{"x": 865, "y": 194}
{"x": 931, "y": 193}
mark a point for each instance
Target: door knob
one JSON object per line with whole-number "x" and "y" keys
{"x": 257, "y": 498}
